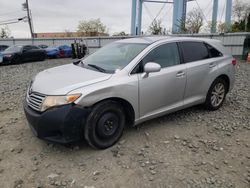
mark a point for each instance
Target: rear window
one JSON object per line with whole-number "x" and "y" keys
{"x": 194, "y": 51}
{"x": 213, "y": 52}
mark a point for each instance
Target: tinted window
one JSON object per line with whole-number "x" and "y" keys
{"x": 35, "y": 47}
{"x": 194, "y": 51}
{"x": 14, "y": 49}
{"x": 213, "y": 52}
{"x": 26, "y": 48}
{"x": 166, "y": 55}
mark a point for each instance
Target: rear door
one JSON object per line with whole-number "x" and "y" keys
{"x": 201, "y": 70}
{"x": 162, "y": 91}
{"x": 31, "y": 53}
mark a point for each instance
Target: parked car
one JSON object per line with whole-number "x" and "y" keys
{"x": 59, "y": 51}
{"x": 1, "y": 58}
{"x": 65, "y": 51}
{"x": 3, "y": 47}
{"x": 23, "y": 53}
{"x": 52, "y": 52}
{"x": 125, "y": 83}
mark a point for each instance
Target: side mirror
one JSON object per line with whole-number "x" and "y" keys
{"x": 151, "y": 67}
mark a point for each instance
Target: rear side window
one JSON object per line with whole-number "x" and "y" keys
{"x": 194, "y": 51}
{"x": 213, "y": 52}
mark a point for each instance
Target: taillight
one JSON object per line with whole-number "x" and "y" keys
{"x": 234, "y": 62}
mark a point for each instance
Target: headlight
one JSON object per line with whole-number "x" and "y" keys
{"x": 51, "y": 101}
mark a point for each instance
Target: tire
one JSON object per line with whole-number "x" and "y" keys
{"x": 216, "y": 94}
{"x": 43, "y": 57}
{"x": 104, "y": 125}
{"x": 16, "y": 60}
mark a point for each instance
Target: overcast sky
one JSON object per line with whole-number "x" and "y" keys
{"x": 61, "y": 15}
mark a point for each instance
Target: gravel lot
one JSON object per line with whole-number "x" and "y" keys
{"x": 190, "y": 148}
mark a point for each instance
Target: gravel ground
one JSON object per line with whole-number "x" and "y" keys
{"x": 189, "y": 148}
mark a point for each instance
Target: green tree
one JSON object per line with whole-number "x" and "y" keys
{"x": 93, "y": 27}
{"x": 5, "y": 32}
{"x": 122, "y": 33}
{"x": 156, "y": 28}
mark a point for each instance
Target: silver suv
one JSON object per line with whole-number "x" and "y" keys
{"x": 125, "y": 83}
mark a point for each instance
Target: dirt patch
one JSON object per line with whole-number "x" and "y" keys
{"x": 189, "y": 148}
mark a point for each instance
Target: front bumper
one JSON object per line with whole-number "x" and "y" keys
{"x": 63, "y": 124}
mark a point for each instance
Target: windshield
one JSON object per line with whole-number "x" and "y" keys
{"x": 114, "y": 56}
{"x": 14, "y": 49}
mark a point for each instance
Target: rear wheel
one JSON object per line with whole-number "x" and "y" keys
{"x": 105, "y": 124}
{"x": 43, "y": 57}
{"x": 216, "y": 94}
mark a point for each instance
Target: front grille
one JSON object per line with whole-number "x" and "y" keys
{"x": 35, "y": 100}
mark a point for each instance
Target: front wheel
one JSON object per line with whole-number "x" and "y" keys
{"x": 216, "y": 94}
{"x": 16, "y": 60}
{"x": 105, "y": 124}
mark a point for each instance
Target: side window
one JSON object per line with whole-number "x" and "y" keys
{"x": 213, "y": 52}
{"x": 26, "y": 48}
{"x": 166, "y": 55}
{"x": 194, "y": 51}
{"x": 34, "y": 47}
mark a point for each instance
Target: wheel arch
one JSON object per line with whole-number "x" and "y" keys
{"x": 226, "y": 79}
{"x": 127, "y": 107}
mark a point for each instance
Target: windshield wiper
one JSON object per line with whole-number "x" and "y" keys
{"x": 97, "y": 68}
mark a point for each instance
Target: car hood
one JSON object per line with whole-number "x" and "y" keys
{"x": 63, "y": 79}
{"x": 51, "y": 49}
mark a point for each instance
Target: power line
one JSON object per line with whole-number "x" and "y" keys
{"x": 201, "y": 11}
{"x": 7, "y": 22}
{"x": 8, "y": 13}
{"x": 203, "y": 15}
{"x": 14, "y": 19}
{"x": 163, "y": 6}
{"x": 148, "y": 11}
{"x": 223, "y": 9}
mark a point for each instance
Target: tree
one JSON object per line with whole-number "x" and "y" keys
{"x": 5, "y": 32}
{"x": 182, "y": 26}
{"x": 194, "y": 21}
{"x": 122, "y": 33}
{"x": 155, "y": 28}
{"x": 220, "y": 27}
{"x": 68, "y": 33}
{"x": 241, "y": 11}
{"x": 93, "y": 27}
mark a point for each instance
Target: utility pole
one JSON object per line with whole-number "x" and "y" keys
{"x": 26, "y": 7}
{"x": 214, "y": 16}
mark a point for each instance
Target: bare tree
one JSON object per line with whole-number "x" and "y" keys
{"x": 240, "y": 9}
{"x": 93, "y": 27}
{"x": 194, "y": 21}
{"x": 68, "y": 33}
{"x": 155, "y": 28}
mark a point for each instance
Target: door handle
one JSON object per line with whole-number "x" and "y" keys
{"x": 180, "y": 74}
{"x": 211, "y": 65}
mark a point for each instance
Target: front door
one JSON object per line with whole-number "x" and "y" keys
{"x": 162, "y": 91}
